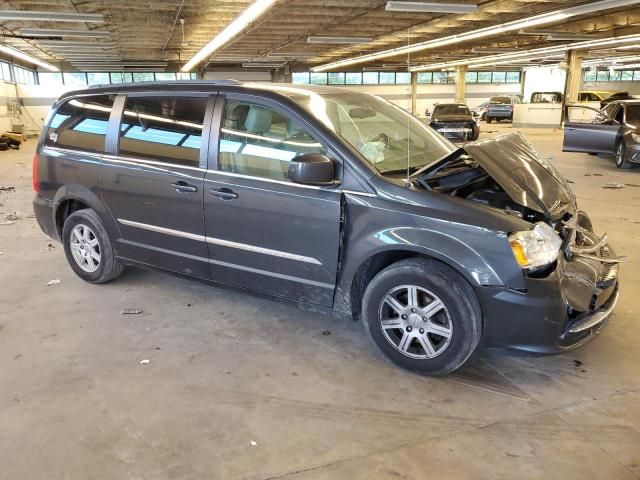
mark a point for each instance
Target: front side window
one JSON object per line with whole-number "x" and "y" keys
{"x": 167, "y": 129}
{"x": 260, "y": 142}
{"x": 81, "y": 123}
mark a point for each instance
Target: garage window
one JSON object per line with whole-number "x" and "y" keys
{"x": 166, "y": 129}
{"x": 81, "y": 124}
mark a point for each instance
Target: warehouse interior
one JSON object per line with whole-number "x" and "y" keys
{"x": 159, "y": 376}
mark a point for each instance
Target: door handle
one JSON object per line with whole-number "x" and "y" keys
{"x": 223, "y": 193}
{"x": 184, "y": 187}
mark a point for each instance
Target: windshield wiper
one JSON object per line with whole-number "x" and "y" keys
{"x": 448, "y": 157}
{"x": 400, "y": 170}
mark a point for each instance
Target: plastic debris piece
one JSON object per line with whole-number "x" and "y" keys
{"x": 9, "y": 222}
{"x": 612, "y": 186}
{"x": 253, "y": 444}
{"x": 326, "y": 332}
{"x": 131, "y": 311}
{"x": 146, "y": 361}
{"x": 53, "y": 282}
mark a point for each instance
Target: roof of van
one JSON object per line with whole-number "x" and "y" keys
{"x": 287, "y": 89}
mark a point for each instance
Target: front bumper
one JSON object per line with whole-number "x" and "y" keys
{"x": 557, "y": 313}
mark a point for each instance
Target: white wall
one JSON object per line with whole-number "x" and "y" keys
{"x": 543, "y": 79}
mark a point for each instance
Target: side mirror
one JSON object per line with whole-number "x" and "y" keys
{"x": 312, "y": 169}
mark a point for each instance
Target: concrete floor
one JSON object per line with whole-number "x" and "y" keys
{"x": 227, "y": 368}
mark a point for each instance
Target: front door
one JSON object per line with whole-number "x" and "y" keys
{"x": 587, "y": 129}
{"x": 264, "y": 232}
{"x": 154, "y": 185}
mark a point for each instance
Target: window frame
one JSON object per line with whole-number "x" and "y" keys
{"x": 282, "y": 108}
{"x": 112, "y": 144}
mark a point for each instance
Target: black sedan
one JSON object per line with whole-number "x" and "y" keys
{"x": 455, "y": 122}
{"x": 615, "y": 129}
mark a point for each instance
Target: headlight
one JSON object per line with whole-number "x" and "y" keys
{"x": 537, "y": 247}
{"x": 635, "y": 137}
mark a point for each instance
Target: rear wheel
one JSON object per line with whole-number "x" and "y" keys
{"x": 489, "y": 119}
{"x": 88, "y": 248}
{"x": 621, "y": 162}
{"x": 423, "y": 316}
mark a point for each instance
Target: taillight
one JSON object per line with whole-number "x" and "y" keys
{"x": 36, "y": 184}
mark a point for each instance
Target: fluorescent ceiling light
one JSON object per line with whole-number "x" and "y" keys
{"x": 50, "y": 16}
{"x": 292, "y": 54}
{"x": 341, "y": 40}
{"x": 536, "y": 52}
{"x": 540, "y": 19}
{"x": 253, "y": 11}
{"x": 119, "y": 63}
{"x": 73, "y": 43}
{"x": 55, "y": 32}
{"x": 623, "y": 67}
{"x": 492, "y": 50}
{"x": 263, "y": 65}
{"x": 393, "y": 6}
{"x": 27, "y": 58}
{"x": 628, "y": 47}
{"x": 559, "y": 35}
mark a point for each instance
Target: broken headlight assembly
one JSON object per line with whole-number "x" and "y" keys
{"x": 537, "y": 247}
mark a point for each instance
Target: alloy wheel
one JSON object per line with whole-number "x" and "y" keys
{"x": 620, "y": 155}
{"x": 85, "y": 248}
{"x": 415, "y": 322}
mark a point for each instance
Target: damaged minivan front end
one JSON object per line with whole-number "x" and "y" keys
{"x": 570, "y": 274}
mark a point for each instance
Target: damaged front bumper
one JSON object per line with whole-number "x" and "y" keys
{"x": 561, "y": 311}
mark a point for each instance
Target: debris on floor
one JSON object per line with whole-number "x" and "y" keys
{"x": 53, "y": 282}
{"x": 632, "y": 185}
{"x": 612, "y": 186}
{"x": 131, "y": 311}
{"x": 326, "y": 332}
{"x": 146, "y": 361}
{"x": 253, "y": 444}
{"x": 12, "y": 217}
{"x": 9, "y": 222}
{"x": 577, "y": 363}
{"x": 7, "y": 188}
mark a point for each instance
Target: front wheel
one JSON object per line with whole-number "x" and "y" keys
{"x": 621, "y": 162}
{"x": 88, "y": 248}
{"x": 423, "y": 316}
{"x": 489, "y": 119}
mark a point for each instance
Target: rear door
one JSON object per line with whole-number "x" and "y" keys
{"x": 264, "y": 232}
{"x": 152, "y": 180}
{"x": 588, "y": 130}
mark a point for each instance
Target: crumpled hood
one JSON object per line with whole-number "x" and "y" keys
{"x": 524, "y": 174}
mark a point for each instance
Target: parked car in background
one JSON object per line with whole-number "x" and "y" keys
{"x": 480, "y": 111}
{"x": 333, "y": 199}
{"x": 546, "y": 97}
{"x": 614, "y": 129}
{"x": 614, "y": 97}
{"x": 501, "y": 107}
{"x": 454, "y": 121}
{"x": 593, "y": 95}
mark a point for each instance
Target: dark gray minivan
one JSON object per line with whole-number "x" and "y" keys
{"x": 331, "y": 198}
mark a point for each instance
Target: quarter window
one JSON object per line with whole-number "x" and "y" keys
{"x": 260, "y": 142}
{"x": 81, "y": 123}
{"x": 168, "y": 129}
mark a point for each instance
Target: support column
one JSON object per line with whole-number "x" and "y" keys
{"x": 414, "y": 93}
{"x": 574, "y": 75}
{"x": 461, "y": 86}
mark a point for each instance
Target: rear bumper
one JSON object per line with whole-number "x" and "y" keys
{"x": 44, "y": 212}
{"x": 499, "y": 114}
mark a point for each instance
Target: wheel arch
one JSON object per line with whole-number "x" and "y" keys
{"x": 71, "y": 198}
{"x": 381, "y": 259}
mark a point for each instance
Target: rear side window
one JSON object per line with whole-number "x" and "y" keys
{"x": 81, "y": 123}
{"x": 167, "y": 129}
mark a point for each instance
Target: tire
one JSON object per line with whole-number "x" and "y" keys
{"x": 620, "y": 153}
{"x": 593, "y": 154}
{"x": 96, "y": 244}
{"x": 489, "y": 119}
{"x": 452, "y": 328}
